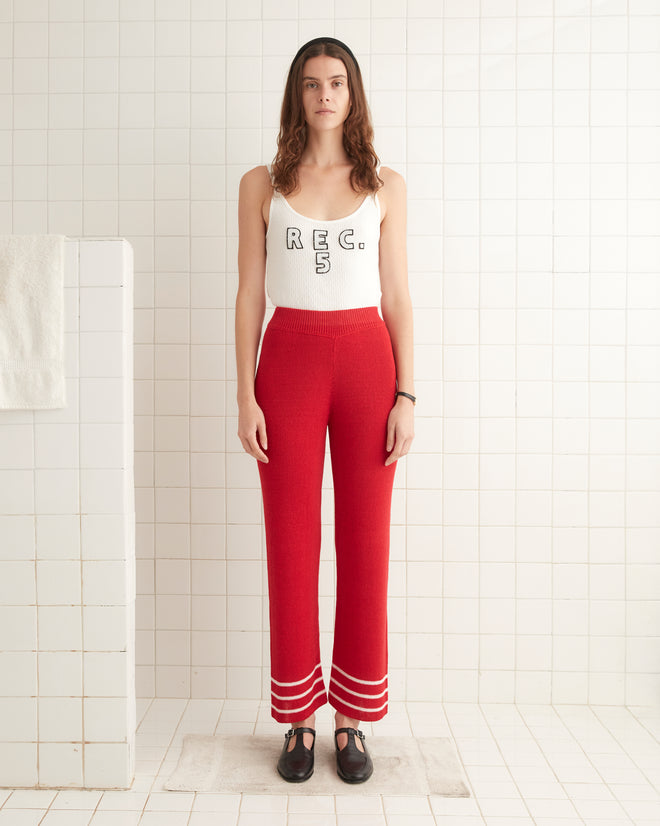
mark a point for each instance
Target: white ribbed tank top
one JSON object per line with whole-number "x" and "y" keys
{"x": 323, "y": 265}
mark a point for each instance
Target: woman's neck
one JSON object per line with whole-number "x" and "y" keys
{"x": 325, "y": 149}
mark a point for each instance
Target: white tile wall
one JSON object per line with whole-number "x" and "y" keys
{"x": 67, "y": 568}
{"x": 525, "y": 528}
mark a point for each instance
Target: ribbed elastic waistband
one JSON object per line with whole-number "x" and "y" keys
{"x": 325, "y": 322}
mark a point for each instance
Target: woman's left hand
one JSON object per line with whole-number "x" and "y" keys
{"x": 400, "y": 429}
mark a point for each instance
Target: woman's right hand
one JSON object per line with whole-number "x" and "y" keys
{"x": 252, "y": 429}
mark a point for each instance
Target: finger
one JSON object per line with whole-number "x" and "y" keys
{"x": 390, "y": 436}
{"x": 261, "y": 430}
{"x": 257, "y": 452}
{"x": 394, "y": 455}
{"x": 401, "y": 448}
{"x": 251, "y": 447}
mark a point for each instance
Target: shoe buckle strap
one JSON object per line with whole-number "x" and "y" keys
{"x": 353, "y": 731}
{"x": 293, "y": 731}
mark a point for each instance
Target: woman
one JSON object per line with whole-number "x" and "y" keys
{"x": 324, "y": 231}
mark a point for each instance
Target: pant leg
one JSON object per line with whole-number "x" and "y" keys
{"x": 292, "y": 388}
{"x": 363, "y": 396}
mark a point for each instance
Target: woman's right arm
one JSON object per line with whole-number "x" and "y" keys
{"x": 250, "y": 307}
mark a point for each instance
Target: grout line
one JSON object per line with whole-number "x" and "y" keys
{"x": 588, "y": 736}
{"x": 191, "y": 596}
{"x": 634, "y": 710}
{"x": 516, "y": 452}
{"x": 480, "y": 574}
{"x": 459, "y": 757}
{"x": 542, "y": 749}
{"x": 154, "y": 495}
{"x": 443, "y": 419}
{"x": 225, "y": 630}
{"x": 456, "y": 741}
{"x": 32, "y": 418}
{"x": 626, "y": 350}
{"x": 551, "y": 673}
{"x": 505, "y": 764}
{"x": 83, "y": 737}
{"x": 588, "y": 675}
{"x": 626, "y": 749}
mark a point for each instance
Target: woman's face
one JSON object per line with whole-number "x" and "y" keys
{"x": 326, "y": 98}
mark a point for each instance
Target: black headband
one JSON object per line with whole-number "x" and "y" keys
{"x": 323, "y": 40}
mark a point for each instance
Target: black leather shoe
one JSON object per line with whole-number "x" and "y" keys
{"x": 297, "y": 765}
{"x": 353, "y": 766}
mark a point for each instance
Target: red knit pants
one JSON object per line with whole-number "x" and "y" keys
{"x": 328, "y": 371}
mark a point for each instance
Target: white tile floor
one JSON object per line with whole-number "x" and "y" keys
{"x": 526, "y": 764}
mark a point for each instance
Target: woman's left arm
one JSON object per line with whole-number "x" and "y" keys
{"x": 396, "y": 308}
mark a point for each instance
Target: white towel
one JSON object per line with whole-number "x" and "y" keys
{"x": 32, "y": 322}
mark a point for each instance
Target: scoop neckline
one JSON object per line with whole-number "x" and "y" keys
{"x": 321, "y": 220}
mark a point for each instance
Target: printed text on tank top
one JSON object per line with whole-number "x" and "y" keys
{"x": 344, "y": 237}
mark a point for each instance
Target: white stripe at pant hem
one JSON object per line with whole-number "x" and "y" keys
{"x": 352, "y": 705}
{"x": 300, "y": 708}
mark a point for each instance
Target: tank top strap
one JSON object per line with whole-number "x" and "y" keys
{"x": 375, "y": 197}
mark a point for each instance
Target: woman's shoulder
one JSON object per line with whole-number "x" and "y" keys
{"x": 257, "y": 180}
{"x": 392, "y": 191}
{"x": 391, "y": 178}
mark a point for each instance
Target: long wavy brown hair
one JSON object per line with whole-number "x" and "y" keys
{"x": 358, "y": 129}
